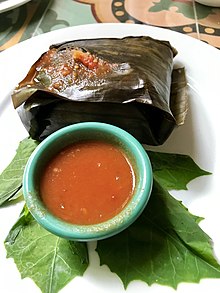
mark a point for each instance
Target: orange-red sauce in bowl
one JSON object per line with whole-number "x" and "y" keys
{"x": 87, "y": 183}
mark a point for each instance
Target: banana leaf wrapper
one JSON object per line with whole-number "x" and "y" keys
{"x": 128, "y": 82}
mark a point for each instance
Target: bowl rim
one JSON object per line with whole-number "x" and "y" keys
{"x": 104, "y": 229}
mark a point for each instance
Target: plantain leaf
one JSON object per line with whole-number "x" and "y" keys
{"x": 165, "y": 246}
{"x": 137, "y": 88}
{"x": 174, "y": 171}
{"x": 50, "y": 261}
{"x": 11, "y": 177}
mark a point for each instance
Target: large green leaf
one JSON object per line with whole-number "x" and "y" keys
{"x": 11, "y": 177}
{"x": 165, "y": 246}
{"x": 49, "y": 260}
{"x": 174, "y": 171}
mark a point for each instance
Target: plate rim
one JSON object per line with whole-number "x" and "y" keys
{"x": 11, "y": 4}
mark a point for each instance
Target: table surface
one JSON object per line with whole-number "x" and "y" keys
{"x": 40, "y": 16}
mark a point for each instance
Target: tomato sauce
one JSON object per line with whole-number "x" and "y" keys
{"x": 87, "y": 183}
{"x": 57, "y": 69}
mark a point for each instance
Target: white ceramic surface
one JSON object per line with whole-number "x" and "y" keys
{"x": 199, "y": 137}
{"x": 11, "y": 4}
{"x": 213, "y": 3}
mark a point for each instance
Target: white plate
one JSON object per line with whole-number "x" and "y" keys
{"x": 6, "y": 5}
{"x": 214, "y": 3}
{"x": 199, "y": 137}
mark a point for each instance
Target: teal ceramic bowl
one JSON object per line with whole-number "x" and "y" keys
{"x": 72, "y": 134}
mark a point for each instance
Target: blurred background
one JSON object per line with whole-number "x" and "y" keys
{"x": 20, "y": 22}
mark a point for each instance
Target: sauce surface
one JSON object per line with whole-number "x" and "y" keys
{"x": 87, "y": 183}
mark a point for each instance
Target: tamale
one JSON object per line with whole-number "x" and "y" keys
{"x": 128, "y": 82}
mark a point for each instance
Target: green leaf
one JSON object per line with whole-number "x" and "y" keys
{"x": 174, "y": 171}
{"x": 50, "y": 261}
{"x": 165, "y": 246}
{"x": 11, "y": 177}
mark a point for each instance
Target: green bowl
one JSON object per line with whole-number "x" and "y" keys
{"x": 75, "y": 133}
